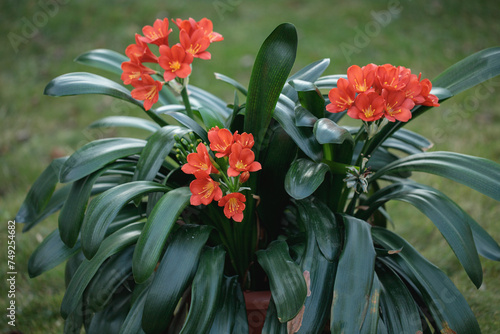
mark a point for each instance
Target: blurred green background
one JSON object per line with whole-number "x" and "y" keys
{"x": 40, "y": 39}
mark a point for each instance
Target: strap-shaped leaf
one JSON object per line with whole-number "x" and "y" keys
{"x": 103, "y": 209}
{"x": 370, "y": 324}
{"x": 328, "y": 132}
{"x": 304, "y": 177}
{"x": 477, "y": 173}
{"x": 353, "y": 282}
{"x": 73, "y": 211}
{"x": 399, "y": 145}
{"x": 232, "y": 82}
{"x": 320, "y": 219}
{"x": 111, "y": 318}
{"x": 319, "y": 269}
{"x": 413, "y": 138}
{"x": 397, "y": 304}
{"x": 97, "y": 154}
{"x": 155, "y": 233}
{"x": 50, "y": 253}
{"x": 40, "y": 193}
{"x": 209, "y": 101}
{"x": 103, "y": 59}
{"x": 309, "y": 96}
{"x": 329, "y": 81}
{"x": 113, "y": 244}
{"x": 231, "y": 315}
{"x": 470, "y": 71}
{"x": 80, "y": 83}
{"x": 205, "y": 291}
{"x": 187, "y": 122}
{"x": 125, "y": 121}
{"x": 156, "y": 150}
{"x": 288, "y": 287}
{"x": 211, "y": 118}
{"x": 269, "y": 74}
{"x": 453, "y": 223}
{"x": 108, "y": 279}
{"x": 443, "y": 300}
{"x": 303, "y": 137}
{"x": 272, "y": 325}
{"x": 184, "y": 248}
{"x": 309, "y": 73}
{"x": 133, "y": 321}
{"x": 279, "y": 154}
{"x": 304, "y": 117}
{"x": 55, "y": 204}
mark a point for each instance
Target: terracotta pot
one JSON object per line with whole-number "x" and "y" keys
{"x": 257, "y": 303}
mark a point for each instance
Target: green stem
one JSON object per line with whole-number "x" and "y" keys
{"x": 338, "y": 167}
{"x": 187, "y": 104}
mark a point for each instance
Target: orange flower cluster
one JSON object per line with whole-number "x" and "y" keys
{"x": 372, "y": 92}
{"x": 233, "y": 149}
{"x": 194, "y": 39}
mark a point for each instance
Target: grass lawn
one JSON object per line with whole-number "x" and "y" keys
{"x": 41, "y": 38}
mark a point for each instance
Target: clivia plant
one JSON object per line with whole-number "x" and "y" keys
{"x": 168, "y": 234}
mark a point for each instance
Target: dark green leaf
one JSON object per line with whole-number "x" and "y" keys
{"x": 329, "y": 81}
{"x": 113, "y": 244}
{"x": 317, "y": 216}
{"x": 309, "y": 96}
{"x": 230, "y": 305}
{"x": 40, "y": 193}
{"x": 108, "y": 279}
{"x": 125, "y": 121}
{"x": 470, "y": 71}
{"x": 286, "y": 280}
{"x": 156, "y": 150}
{"x": 50, "y": 253}
{"x": 73, "y": 211}
{"x": 272, "y": 66}
{"x": 132, "y": 323}
{"x": 304, "y": 117}
{"x": 184, "y": 248}
{"x": 202, "y": 98}
{"x": 309, "y": 73}
{"x": 272, "y": 325}
{"x": 303, "y": 137}
{"x": 319, "y": 270}
{"x": 232, "y": 82}
{"x": 205, "y": 291}
{"x": 397, "y": 304}
{"x": 353, "y": 282}
{"x": 97, "y": 154}
{"x": 449, "y": 218}
{"x": 304, "y": 177}
{"x": 443, "y": 300}
{"x": 399, "y": 145}
{"x": 327, "y": 132}
{"x": 80, "y": 83}
{"x": 103, "y": 59}
{"x": 55, "y": 204}
{"x": 211, "y": 118}
{"x": 480, "y": 174}
{"x": 111, "y": 318}
{"x": 370, "y": 324}
{"x": 277, "y": 158}
{"x": 413, "y": 138}
{"x": 187, "y": 122}
{"x": 155, "y": 233}
{"x": 103, "y": 209}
